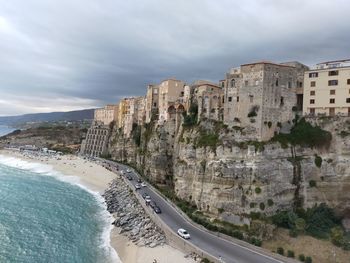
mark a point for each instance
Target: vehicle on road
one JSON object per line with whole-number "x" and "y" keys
{"x": 137, "y": 186}
{"x": 152, "y": 204}
{"x": 128, "y": 170}
{"x": 129, "y": 177}
{"x": 139, "y": 181}
{"x": 143, "y": 184}
{"x": 183, "y": 233}
{"x": 157, "y": 209}
{"x": 145, "y": 196}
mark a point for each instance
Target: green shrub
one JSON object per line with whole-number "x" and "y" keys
{"x": 210, "y": 139}
{"x": 255, "y": 241}
{"x": 312, "y": 183}
{"x": 252, "y": 114}
{"x": 252, "y": 205}
{"x": 318, "y": 161}
{"x": 302, "y": 257}
{"x": 237, "y": 234}
{"x": 205, "y": 260}
{"x": 290, "y": 253}
{"x": 285, "y": 219}
{"x": 308, "y": 259}
{"x": 262, "y": 206}
{"x": 280, "y": 251}
{"x": 304, "y": 134}
{"x": 337, "y": 236}
{"x": 221, "y": 210}
{"x": 270, "y": 202}
{"x": 257, "y": 190}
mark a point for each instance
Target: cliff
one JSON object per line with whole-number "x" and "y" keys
{"x": 229, "y": 177}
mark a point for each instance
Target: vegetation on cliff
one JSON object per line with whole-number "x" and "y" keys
{"x": 306, "y": 135}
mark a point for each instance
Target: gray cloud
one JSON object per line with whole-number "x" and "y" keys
{"x": 67, "y": 54}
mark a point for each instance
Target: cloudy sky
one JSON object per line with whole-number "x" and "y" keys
{"x": 59, "y": 55}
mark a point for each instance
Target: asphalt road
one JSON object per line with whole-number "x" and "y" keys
{"x": 218, "y": 247}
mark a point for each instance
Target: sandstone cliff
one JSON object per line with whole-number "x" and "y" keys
{"x": 228, "y": 176}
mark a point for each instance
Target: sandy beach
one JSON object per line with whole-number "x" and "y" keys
{"x": 96, "y": 178}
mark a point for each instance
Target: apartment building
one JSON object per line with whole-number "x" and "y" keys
{"x": 209, "y": 98}
{"x": 262, "y": 96}
{"x": 107, "y": 114}
{"x": 327, "y": 89}
{"x": 96, "y": 140}
{"x": 140, "y": 109}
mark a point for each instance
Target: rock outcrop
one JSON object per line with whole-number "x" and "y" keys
{"x": 228, "y": 176}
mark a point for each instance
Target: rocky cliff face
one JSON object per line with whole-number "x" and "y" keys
{"x": 229, "y": 177}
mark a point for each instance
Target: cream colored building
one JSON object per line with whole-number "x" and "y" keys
{"x": 209, "y": 98}
{"x": 140, "y": 110}
{"x": 327, "y": 89}
{"x": 107, "y": 114}
{"x": 170, "y": 92}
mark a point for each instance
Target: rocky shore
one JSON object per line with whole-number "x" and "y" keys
{"x": 130, "y": 217}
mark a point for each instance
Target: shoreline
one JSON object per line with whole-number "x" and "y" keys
{"x": 96, "y": 178}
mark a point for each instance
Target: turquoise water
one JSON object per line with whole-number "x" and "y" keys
{"x": 45, "y": 219}
{"x": 5, "y": 130}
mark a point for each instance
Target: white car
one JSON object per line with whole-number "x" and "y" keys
{"x": 143, "y": 184}
{"x": 128, "y": 171}
{"x": 183, "y": 233}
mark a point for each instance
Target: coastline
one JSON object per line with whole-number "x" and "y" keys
{"x": 96, "y": 178}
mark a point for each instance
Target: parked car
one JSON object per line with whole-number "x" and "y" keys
{"x": 139, "y": 181}
{"x": 143, "y": 184}
{"x": 183, "y": 233}
{"x": 146, "y": 196}
{"x": 137, "y": 186}
{"x": 128, "y": 170}
{"x": 152, "y": 204}
{"x": 157, "y": 209}
{"x": 129, "y": 177}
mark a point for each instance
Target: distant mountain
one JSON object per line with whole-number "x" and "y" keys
{"x": 50, "y": 117}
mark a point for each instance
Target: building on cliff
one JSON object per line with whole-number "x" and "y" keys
{"x": 209, "y": 98}
{"x": 327, "y": 89}
{"x": 262, "y": 96}
{"x": 171, "y": 91}
{"x": 151, "y": 103}
{"x": 107, "y": 114}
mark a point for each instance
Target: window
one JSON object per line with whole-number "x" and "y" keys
{"x": 237, "y": 99}
{"x": 313, "y": 75}
{"x": 312, "y": 93}
{"x": 300, "y": 85}
{"x": 347, "y": 100}
{"x": 232, "y": 83}
{"x": 333, "y": 82}
{"x": 332, "y": 92}
{"x": 331, "y": 111}
{"x": 312, "y": 111}
{"x": 251, "y": 98}
{"x": 289, "y": 84}
{"x": 333, "y": 73}
{"x": 282, "y": 101}
{"x": 229, "y": 99}
{"x": 331, "y": 101}
{"x": 313, "y": 83}
{"x": 312, "y": 101}
{"x": 276, "y": 82}
{"x": 348, "y": 81}
{"x": 246, "y": 83}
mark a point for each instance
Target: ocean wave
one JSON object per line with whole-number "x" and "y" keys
{"x": 48, "y": 170}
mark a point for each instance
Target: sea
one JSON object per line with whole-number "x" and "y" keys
{"x": 47, "y": 217}
{"x": 5, "y": 130}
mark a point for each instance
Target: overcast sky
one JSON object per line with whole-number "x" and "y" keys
{"x": 60, "y": 55}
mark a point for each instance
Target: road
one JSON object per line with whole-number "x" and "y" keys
{"x": 218, "y": 247}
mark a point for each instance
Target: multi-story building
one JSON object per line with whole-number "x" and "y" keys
{"x": 130, "y": 116}
{"x": 140, "y": 110}
{"x": 209, "y": 98}
{"x": 151, "y": 104}
{"x": 170, "y": 91}
{"x": 96, "y": 140}
{"x": 327, "y": 89}
{"x": 262, "y": 96}
{"x": 107, "y": 114}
